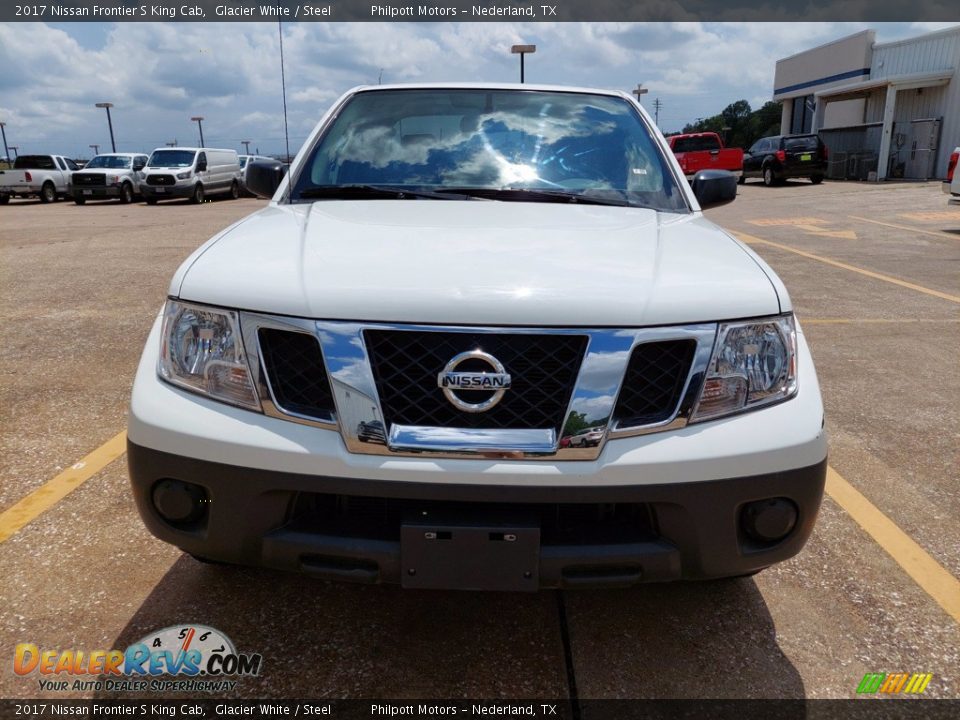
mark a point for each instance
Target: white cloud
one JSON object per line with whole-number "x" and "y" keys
{"x": 160, "y": 74}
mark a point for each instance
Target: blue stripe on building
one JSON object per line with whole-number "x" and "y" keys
{"x": 829, "y": 79}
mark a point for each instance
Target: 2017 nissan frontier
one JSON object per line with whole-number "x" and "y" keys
{"x": 481, "y": 338}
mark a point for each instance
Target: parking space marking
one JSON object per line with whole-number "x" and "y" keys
{"x": 930, "y": 575}
{"x": 950, "y": 215}
{"x": 935, "y": 233}
{"x": 875, "y": 321}
{"x": 750, "y": 239}
{"x": 809, "y": 225}
{"x": 53, "y": 491}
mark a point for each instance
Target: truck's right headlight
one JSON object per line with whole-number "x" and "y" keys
{"x": 754, "y": 364}
{"x": 201, "y": 349}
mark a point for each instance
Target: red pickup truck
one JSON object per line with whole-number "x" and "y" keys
{"x": 705, "y": 151}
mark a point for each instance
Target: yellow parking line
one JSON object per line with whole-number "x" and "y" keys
{"x": 869, "y": 273}
{"x": 874, "y": 321}
{"x": 935, "y": 233}
{"x": 932, "y": 577}
{"x": 53, "y": 491}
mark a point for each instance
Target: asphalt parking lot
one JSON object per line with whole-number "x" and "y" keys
{"x": 874, "y": 273}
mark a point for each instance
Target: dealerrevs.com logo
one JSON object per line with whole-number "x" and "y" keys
{"x": 185, "y": 658}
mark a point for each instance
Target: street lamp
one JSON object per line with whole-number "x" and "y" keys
{"x": 522, "y": 50}
{"x": 246, "y": 146}
{"x": 198, "y": 119}
{"x": 96, "y": 149}
{"x": 172, "y": 144}
{"x": 6, "y": 150}
{"x": 109, "y": 122}
{"x": 15, "y": 153}
{"x": 640, "y": 90}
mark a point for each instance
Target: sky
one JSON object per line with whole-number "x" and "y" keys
{"x": 159, "y": 75}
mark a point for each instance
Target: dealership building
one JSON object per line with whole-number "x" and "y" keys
{"x": 884, "y": 110}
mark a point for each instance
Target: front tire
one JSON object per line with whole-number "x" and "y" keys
{"x": 79, "y": 199}
{"x": 816, "y": 179}
{"x": 150, "y": 201}
{"x": 769, "y": 176}
{"x": 234, "y": 190}
{"x": 4, "y": 199}
{"x": 48, "y": 193}
{"x": 126, "y": 194}
{"x": 197, "y": 196}
{"x": 742, "y": 180}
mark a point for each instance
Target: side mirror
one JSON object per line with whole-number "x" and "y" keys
{"x": 264, "y": 177}
{"x": 714, "y": 187}
{"x": 137, "y": 167}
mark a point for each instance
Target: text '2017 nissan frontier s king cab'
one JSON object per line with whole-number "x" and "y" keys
{"x": 481, "y": 338}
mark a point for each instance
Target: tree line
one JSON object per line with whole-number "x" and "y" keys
{"x": 745, "y": 125}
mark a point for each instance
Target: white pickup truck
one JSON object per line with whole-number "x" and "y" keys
{"x": 46, "y": 176}
{"x": 385, "y": 375}
{"x": 951, "y": 186}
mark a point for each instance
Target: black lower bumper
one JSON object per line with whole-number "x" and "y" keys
{"x": 350, "y": 529}
{"x": 161, "y": 192}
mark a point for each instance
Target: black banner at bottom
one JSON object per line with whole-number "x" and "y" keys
{"x": 860, "y": 709}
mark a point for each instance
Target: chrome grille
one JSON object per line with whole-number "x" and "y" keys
{"x": 543, "y": 368}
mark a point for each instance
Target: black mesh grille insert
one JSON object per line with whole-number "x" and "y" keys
{"x": 296, "y": 372}
{"x": 560, "y": 523}
{"x": 543, "y": 369}
{"x": 89, "y": 179}
{"x": 161, "y": 180}
{"x": 654, "y": 380}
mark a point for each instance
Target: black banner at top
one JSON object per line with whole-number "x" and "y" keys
{"x": 477, "y": 10}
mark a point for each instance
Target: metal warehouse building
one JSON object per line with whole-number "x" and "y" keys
{"x": 884, "y": 110}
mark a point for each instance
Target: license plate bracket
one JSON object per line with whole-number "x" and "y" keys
{"x": 470, "y": 556}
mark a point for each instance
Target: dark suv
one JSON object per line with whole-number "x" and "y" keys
{"x": 786, "y": 156}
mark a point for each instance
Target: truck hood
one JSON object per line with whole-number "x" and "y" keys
{"x": 479, "y": 263}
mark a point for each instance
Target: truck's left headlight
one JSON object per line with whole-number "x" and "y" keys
{"x": 201, "y": 349}
{"x": 754, "y": 364}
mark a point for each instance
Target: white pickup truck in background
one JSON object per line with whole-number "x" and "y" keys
{"x": 951, "y": 186}
{"x": 46, "y": 176}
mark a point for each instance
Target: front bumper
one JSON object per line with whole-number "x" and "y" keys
{"x": 257, "y": 517}
{"x": 691, "y": 482}
{"x": 166, "y": 191}
{"x": 92, "y": 193}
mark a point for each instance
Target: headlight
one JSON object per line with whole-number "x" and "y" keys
{"x": 183, "y": 175}
{"x": 754, "y": 363}
{"x": 201, "y": 349}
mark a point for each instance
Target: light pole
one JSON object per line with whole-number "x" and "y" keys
{"x": 246, "y": 146}
{"x": 96, "y": 149}
{"x": 15, "y": 153}
{"x": 640, "y": 90}
{"x": 172, "y": 144}
{"x": 522, "y": 50}
{"x": 6, "y": 150}
{"x": 109, "y": 122}
{"x": 198, "y": 119}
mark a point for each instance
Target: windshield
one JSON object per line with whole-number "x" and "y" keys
{"x": 171, "y": 158}
{"x": 449, "y": 140}
{"x": 696, "y": 143}
{"x": 109, "y": 161}
{"x": 796, "y": 144}
{"x": 34, "y": 162}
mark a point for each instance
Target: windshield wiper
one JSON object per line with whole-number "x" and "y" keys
{"x": 376, "y": 192}
{"x": 528, "y": 194}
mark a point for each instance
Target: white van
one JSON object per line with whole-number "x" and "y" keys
{"x": 195, "y": 173}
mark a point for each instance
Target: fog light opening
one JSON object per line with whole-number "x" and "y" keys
{"x": 179, "y": 503}
{"x": 770, "y": 520}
